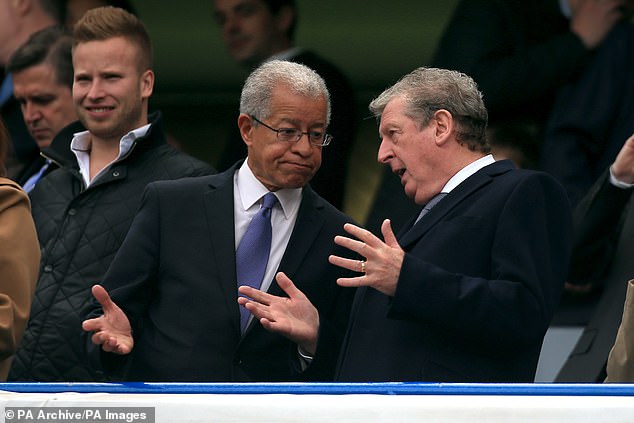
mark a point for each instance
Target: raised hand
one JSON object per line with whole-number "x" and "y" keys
{"x": 383, "y": 260}
{"x": 294, "y": 317}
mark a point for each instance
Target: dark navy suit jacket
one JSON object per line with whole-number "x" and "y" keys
{"x": 481, "y": 277}
{"x": 175, "y": 278}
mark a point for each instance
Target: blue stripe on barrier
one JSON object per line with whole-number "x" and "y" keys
{"x": 396, "y": 388}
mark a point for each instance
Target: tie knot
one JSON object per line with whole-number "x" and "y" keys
{"x": 269, "y": 201}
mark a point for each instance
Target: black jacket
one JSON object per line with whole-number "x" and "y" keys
{"x": 80, "y": 229}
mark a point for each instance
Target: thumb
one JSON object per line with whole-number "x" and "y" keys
{"x": 287, "y": 285}
{"x": 388, "y": 234}
{"x": 101, "y": 295}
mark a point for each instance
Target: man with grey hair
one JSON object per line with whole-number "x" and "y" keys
{"x": 167, "y": 309}
{"x": 466, "y": 290}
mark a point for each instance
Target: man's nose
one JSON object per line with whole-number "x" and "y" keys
{"x": 31, "y": 112}
{"x": 385, "y": 153}
{"x": 95, "y": 90}
{"x": 303, "y": 145}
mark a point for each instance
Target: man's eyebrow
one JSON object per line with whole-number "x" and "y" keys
{"x": 297, "y": 122}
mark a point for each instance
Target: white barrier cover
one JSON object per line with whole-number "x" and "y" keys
{"x": 287, "y": 408}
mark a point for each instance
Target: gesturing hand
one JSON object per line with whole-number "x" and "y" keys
{"x": 294, "y": 317}
{"x": 383, "y": 260}
{"x": 112, "y": 329}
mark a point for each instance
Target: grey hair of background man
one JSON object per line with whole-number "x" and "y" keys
{"x": 52, "y": 46}
{"x": 426, "y": 90}
{"x": 258, "y": 89}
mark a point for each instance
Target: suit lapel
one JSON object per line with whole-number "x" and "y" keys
{"x": 473, "y": 183}
{"x": 307, "y": 227}
{"x": 218, "y": 202}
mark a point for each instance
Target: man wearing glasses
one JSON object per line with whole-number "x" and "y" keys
{"x": 168, "y": 309}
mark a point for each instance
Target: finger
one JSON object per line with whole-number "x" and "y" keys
{"x": 362, "y": 234}
{"x": 110, "y": 345}
{"x": 352, "y": 282}
{"x": 346, "y": 263}
{"x": 91, "y": 325}
{"x": 267, "y": 324}
{"x": 258, "y": 310}
{"x": 350, "y": 244}
{"x": 388, "y": 234}
{"x": 255, "y": 294}
{"x": 97, "y": 338}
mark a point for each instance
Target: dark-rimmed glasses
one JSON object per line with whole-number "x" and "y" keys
{"x": 316, "y": 138}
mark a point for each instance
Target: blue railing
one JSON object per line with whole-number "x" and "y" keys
{"x": 400, "y": 388}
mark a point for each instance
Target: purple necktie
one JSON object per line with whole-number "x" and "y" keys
{"x": 252, "y": 254}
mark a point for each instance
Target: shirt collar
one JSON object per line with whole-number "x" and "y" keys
{"x": 564, "y": 6}
{"x": 81, "y": 141}
{"x": 6, "y": 89}
{"x": 286, "y": 54}
{"x": 252, "y": 190}
{"x": 467, "y": 171}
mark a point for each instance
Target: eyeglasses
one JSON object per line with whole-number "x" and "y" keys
{"x": 316, "y": 138}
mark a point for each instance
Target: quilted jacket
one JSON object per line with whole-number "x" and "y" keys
{"x": 80, "y": 229}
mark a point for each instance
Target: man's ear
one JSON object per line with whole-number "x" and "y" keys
{"x": 22, "y": 7}
{"x": 245, "y": 124}
{"x": 147, "y": 83}
{"x": 444, "y": 125}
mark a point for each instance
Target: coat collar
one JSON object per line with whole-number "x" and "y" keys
{"x": 411, "y": 232}
{"x": 59, "y": 151}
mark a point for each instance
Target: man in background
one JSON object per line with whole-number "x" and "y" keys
{"x": 18, "y": 20}
{"x": 42, "y": 71}
{"x": 258, "y": 30}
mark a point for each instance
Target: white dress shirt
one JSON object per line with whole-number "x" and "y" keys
{"x": 81, "y": 144}
{"x": 247, "y": 200}
{"x": 467, "y": 171}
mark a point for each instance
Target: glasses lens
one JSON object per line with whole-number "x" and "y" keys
{"x": 288, "y": 134}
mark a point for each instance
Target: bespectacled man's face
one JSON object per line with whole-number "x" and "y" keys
{"x": 278, "y": 164}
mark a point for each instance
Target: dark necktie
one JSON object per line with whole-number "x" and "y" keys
{"x": 252, "y": 254}
{"x": 430, "y": 204}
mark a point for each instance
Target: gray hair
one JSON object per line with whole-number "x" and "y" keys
{"x": 257, "y": 92}
{"x": 426, "y": 90}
